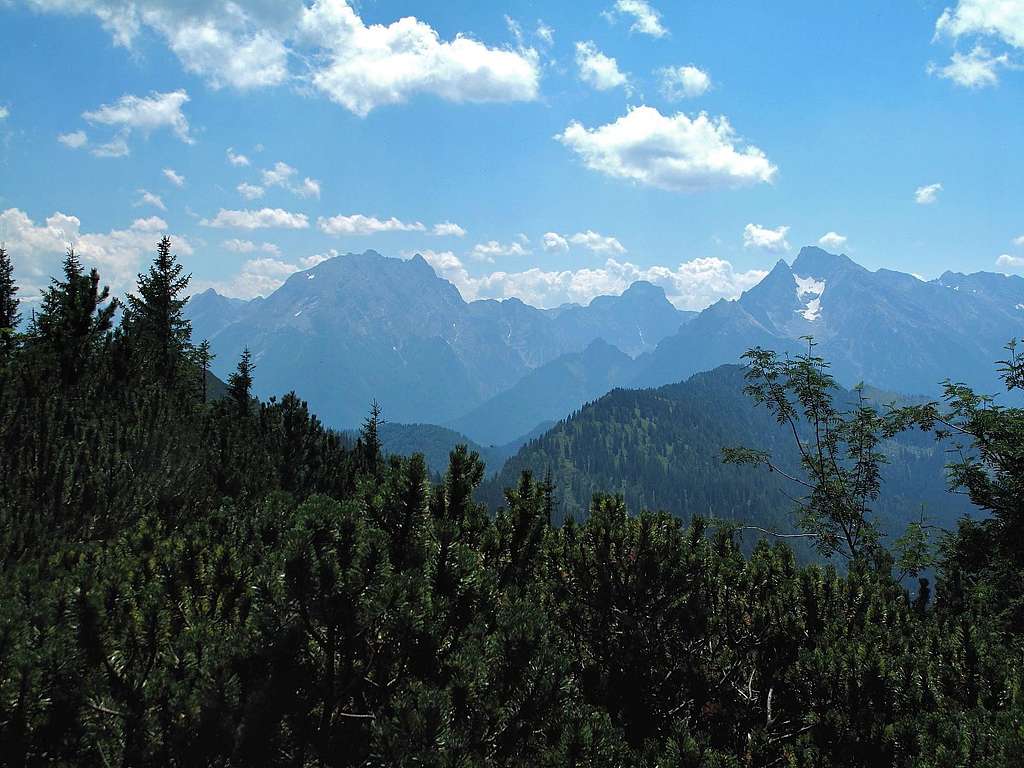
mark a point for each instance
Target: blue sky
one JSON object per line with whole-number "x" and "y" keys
{"x": 722, "y": 137}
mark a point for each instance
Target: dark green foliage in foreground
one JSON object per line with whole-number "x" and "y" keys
{"x": 185, "y": 584}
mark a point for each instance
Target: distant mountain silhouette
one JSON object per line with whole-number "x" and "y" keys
{"x": 362, "y": 326}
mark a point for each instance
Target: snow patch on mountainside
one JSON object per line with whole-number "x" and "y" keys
{"x": 809, "y": 290}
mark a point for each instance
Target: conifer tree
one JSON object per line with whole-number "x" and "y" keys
{"x": 204, "y": 357}
{"x": 156, "y": 319}
{"x": 240, "y": 383}
{"x": 9, "y": 315}
{"x": 74, "y": 317}
{"x": 369, "y": 446}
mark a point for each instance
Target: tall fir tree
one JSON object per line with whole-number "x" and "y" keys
{"x": 204, "y": 357}
{"x": 240, "y": 382}
{"x": 9, "y": 315}
{"x": 155, "y": 319}
{"x": 74, "y": 318}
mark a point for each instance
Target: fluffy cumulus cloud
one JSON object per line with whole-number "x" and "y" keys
{"x": 265, "y": 218}
{"x": 283, "y": 175}
{"x": 250, "y": 191}
{"x": 262, "y": 276}
{"x": 927, "y": 194}
{"x": 174, "y": 177}
{"x": 597, "y": 70}
{"x": 996, "y": 21}
{"x": 691, "y": 285}
{"x": 671, "y": 152}
{"x": 1002, "y": 19}
{"x": 977, "y": 69}
{"x": 236, "y": 159}
{"x": 1019, "y": 240}
{"x": 765, "y": 238}
{"x": 1006, "y": 261}
{"x": 248, "y": 246}
{"x": 144, "y": 114}
{"x": 363, "y": 67}
{"x": 492, "y": 248}
{"x": 644, "y": 18}
{"x": 448, "y": 229}
{"x": 832, "y": 240}
{"x": 596, "y": 242}
{"x": 247, "y": 44}
{"x": 73, "y": 140}
{"x": 148, "y": 198}
{"x": 358, "y": 224}
{"x": 683, "y": 82}
{"x": 553, "y": 241}
{"x": 37, "y": 248}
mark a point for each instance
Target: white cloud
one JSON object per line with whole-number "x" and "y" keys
{"x": 492, "y": 248}
{"x": 236, "y": 159}
{"x": 977, "y": 69}
{"x": 248, "y": 246}
{"x": 308, "y": 188}
{"x": 37, "y": 249}
{"x": 265, "y": 218}
{"x": 597, "y": 70}
{"x": 251, "y": 43}
{"x": 545, "y": 34}
{"x": 262, "y": 276}
{"x": 1003, "y": 19}
{"x": 646, "y": 20}
{"x": 683, "y": 82}
{"x": 148, "y": 198}
{"x": 74, "y": 139}
{"x": 226, "y": 57}
{"x": 145, "y": 114}
{"x": 116, "y": 147}
{"x": 596, "y": 242}
{"x": 756, "y": 236}
{"x": 4, "y": 113}
{"x": 240, "y": 44}
{"x": 669, "y": 152}
{"x": 363, "y": 67}
{"x": 358, "y": 224}
{"x": 448, "y": 229}
{"x": 832, "y": 240}
{"x": 927, "y": 194}
{"x": 555, "y": 242}
{"x": 278, "y": 176}
{"x": 174, "y": 177}
{"x": 1019, "y": 240}
{"x": 1010, "y": 262}
{"x": 249, "y": 191}
{"x": 281, "y": 175}
{"x": 692, "y": 285}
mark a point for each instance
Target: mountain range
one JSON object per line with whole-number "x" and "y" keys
{"x": 361, "y": 327}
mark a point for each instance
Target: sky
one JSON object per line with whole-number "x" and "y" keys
{"x": 551, "y": 151}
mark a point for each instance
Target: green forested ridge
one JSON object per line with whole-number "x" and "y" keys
{"x": 661, "y": 449}
{"x": 186, "y": 583}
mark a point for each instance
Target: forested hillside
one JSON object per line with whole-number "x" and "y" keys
{"x": 661, "y": 449}
{"x": 194, "y": 583}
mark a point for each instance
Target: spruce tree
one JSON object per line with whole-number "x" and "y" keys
{"x": 9, "y": 315}
{"x": 204, "y": 357}
{"x": 156, "y": 319}
{"x": 240, "y": 383}
{"x": 369, "y": 447}
{"x": 74, "y": 316}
